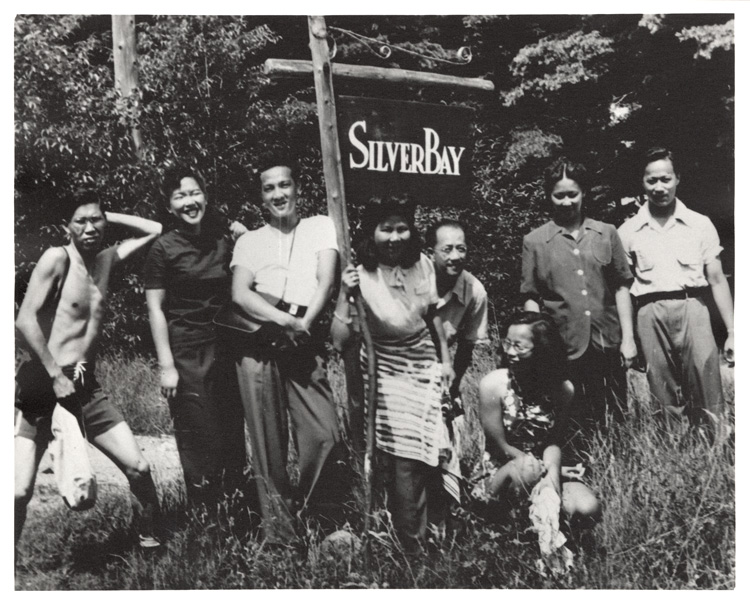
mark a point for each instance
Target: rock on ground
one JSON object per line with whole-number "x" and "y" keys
{"x": 160, "y": 451}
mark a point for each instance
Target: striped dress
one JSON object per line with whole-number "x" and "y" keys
{"x": 408, "y": 419}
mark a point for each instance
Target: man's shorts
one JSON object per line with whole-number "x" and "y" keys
{"x": 90, "y": 401}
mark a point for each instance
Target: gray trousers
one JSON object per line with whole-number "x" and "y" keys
{"x": 275, "y": 389}
{"x": 682, "y": 360}
{"x": 207, "y": 419}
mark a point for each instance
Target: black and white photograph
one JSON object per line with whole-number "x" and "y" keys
{"x": 375, "y": 301}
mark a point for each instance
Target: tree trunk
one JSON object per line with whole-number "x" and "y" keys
{"x": 126, "y": 66}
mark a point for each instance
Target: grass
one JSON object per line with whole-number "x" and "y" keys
{"x": 668, "y": 522}
{"x": 132, "y": 383}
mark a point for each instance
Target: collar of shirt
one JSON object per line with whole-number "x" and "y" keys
{"x": 458, "y": 290}
{"x": 681, "y": 213}
{"x": 393, "y": 276}
{"x": 555, "y": 229}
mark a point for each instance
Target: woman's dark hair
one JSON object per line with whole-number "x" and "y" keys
{"x": 561, "y": 168}
{"x": 173, "y": 177}
{"x": 548, "y": 363}
{"x": 656, "y": 154}
{"x": 376, "y": 212}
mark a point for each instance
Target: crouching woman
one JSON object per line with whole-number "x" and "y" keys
{"x": 523, "y": 408}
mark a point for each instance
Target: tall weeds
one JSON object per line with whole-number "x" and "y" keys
{"x": 668, "y": 521}
{"x": 132, "y": 384}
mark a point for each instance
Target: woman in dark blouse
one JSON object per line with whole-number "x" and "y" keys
{"x": 575, "y": 269}
{"x": 187, "y": 281}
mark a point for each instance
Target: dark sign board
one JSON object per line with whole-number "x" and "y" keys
{"x": 399, "y": 147}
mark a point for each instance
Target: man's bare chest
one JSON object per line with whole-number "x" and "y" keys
{"x": 85, "y": 290}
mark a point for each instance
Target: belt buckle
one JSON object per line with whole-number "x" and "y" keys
{"x": 293, "y": 308}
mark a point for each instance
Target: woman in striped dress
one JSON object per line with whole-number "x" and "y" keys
{"x": 397, "y": 283}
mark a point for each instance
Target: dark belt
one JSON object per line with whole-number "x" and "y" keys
{"x": 293, "y": 309}
{"x": 682, "y": 294}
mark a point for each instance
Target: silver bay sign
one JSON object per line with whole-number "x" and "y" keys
{"x": 405, "y": 148}
{"x": 407, "y": 158}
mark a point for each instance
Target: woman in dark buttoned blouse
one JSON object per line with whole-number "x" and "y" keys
{"x": 575, "y": 269}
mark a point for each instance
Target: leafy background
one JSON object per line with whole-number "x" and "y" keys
{"x": 599, "y": 87}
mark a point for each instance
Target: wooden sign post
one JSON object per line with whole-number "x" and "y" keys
{"x": 334, "y": 180}
{"x": 323, "y": 72}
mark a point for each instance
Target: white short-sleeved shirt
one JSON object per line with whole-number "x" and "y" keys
{"x": 397, "y": 299}
{"x": 285, "y": 265}
{"x": 463, "y": 310}
{"x": 672, "y": 257}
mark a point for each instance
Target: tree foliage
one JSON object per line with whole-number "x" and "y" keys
{"x": 709, "y": 38}
{"x": 557, "y": 61}
{"x": 599, "y": 87}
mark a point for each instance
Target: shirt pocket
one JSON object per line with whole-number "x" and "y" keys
{"x": 602, "y": 251}
{"x": 644, "y": 259}
{"x": 688, "y": 255}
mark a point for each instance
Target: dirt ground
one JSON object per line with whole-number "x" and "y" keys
{"x": 160, "y": 451}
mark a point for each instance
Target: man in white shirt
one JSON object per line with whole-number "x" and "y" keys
{"x": 674, "y": 254}
{"x": 283, "y": 276}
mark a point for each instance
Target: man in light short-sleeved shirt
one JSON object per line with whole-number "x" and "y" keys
{"x": 283, "y": 276}
{"x": 286, "y": 264}
{"x": 462, "y": 299}
{"x": 674, "y": 254}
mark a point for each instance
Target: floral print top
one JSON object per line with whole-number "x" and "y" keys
{"x": 528, "y": 423}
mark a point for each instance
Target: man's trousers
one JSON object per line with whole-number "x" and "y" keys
{"x": 682, "y": 360}
{"x": 277, "y": 387}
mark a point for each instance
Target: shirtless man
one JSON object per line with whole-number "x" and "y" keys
{"x": 64, "y": 345}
